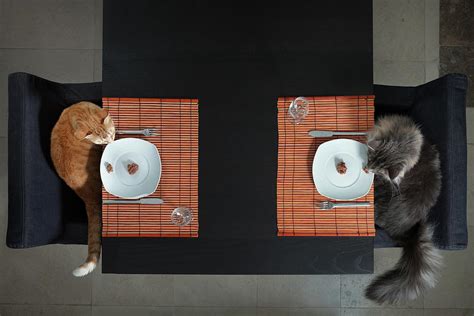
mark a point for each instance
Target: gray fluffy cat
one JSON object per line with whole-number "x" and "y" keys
{"x": 407, "y": 182}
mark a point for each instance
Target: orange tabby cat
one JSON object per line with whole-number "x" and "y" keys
{"x": 76, "y": 154}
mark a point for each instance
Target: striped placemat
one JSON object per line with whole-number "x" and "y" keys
{"x": 297, "y": 214}
{"x": 177, "y": 123}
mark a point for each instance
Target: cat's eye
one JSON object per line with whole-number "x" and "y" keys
{"x": 88, "y": 133}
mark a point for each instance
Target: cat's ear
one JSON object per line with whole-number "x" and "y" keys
{"x": 107, "y": 120}
{"x": 104, "y": 116}
{"x": 103, "y": 113}
{"x": 393, "y": 172}
{"x": 80, "y": 130}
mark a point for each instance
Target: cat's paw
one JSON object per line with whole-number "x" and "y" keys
{"x": 84, "y": 269}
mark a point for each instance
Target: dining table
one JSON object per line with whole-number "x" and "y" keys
{"x": 237, "y": 58}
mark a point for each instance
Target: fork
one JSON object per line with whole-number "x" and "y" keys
{"x": 144, "y": 132}
{"x": 327, "y": 205}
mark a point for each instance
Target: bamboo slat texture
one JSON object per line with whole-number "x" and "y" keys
{"x": 177, "y": 123}
{"x": 297, "y": 197}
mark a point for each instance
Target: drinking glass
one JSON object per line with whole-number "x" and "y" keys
{"x": 298, "y": 109}
{"x": 181, "y": 216}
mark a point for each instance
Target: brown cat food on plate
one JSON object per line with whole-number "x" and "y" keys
{"x": 109, "y": 168}
{"x": 341, "y": 168}
{"x": 132, "y": 168}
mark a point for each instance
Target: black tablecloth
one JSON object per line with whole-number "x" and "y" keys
{"x": 237, "y": 57}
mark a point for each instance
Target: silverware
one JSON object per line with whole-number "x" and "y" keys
{"x": 331, "y": 133}
{"x": 140, "y": 201}
{"x": 144, "y": 132}
{"x": 327, "y": 205}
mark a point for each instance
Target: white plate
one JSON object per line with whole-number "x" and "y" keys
{"x": 352, "y": 185}
{"x": 122, "y": 152}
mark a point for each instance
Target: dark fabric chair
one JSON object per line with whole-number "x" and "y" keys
{"x": 41, "y": 208}
{"x": 439, "y": 107}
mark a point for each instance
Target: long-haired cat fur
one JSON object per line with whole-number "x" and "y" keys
{"x": 407, "y": 186}
{"x": 76, "y": 153}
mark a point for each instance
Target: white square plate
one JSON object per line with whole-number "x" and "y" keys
{"x": 122, "y": 152}
{"x": 355, "y": 183}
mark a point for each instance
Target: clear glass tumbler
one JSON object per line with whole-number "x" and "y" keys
{"x": 181, "y": 216}
{"x": 298, "y": 109}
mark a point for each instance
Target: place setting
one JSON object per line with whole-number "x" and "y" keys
{"x": 324, "y": 187}
{"x": 144, "y": 192}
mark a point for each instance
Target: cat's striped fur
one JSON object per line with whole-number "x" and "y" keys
{"x": 76, "y": 153}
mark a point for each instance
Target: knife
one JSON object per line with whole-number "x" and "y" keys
{"x": 140, "y": 201}
{"x": 330, "y": 133}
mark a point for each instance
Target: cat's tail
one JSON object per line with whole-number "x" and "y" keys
{"x": 416, "y": 270}
{"x": 93, "y": 242}
{"x": 84, "y": 269}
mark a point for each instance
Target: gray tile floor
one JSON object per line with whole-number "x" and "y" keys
{"x": 457, "y": 40}
{"x": 61, "y": 40}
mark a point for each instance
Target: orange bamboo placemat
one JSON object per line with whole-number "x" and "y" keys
{"x": 177, "y": 123}
{"x": 297, "y": 214}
